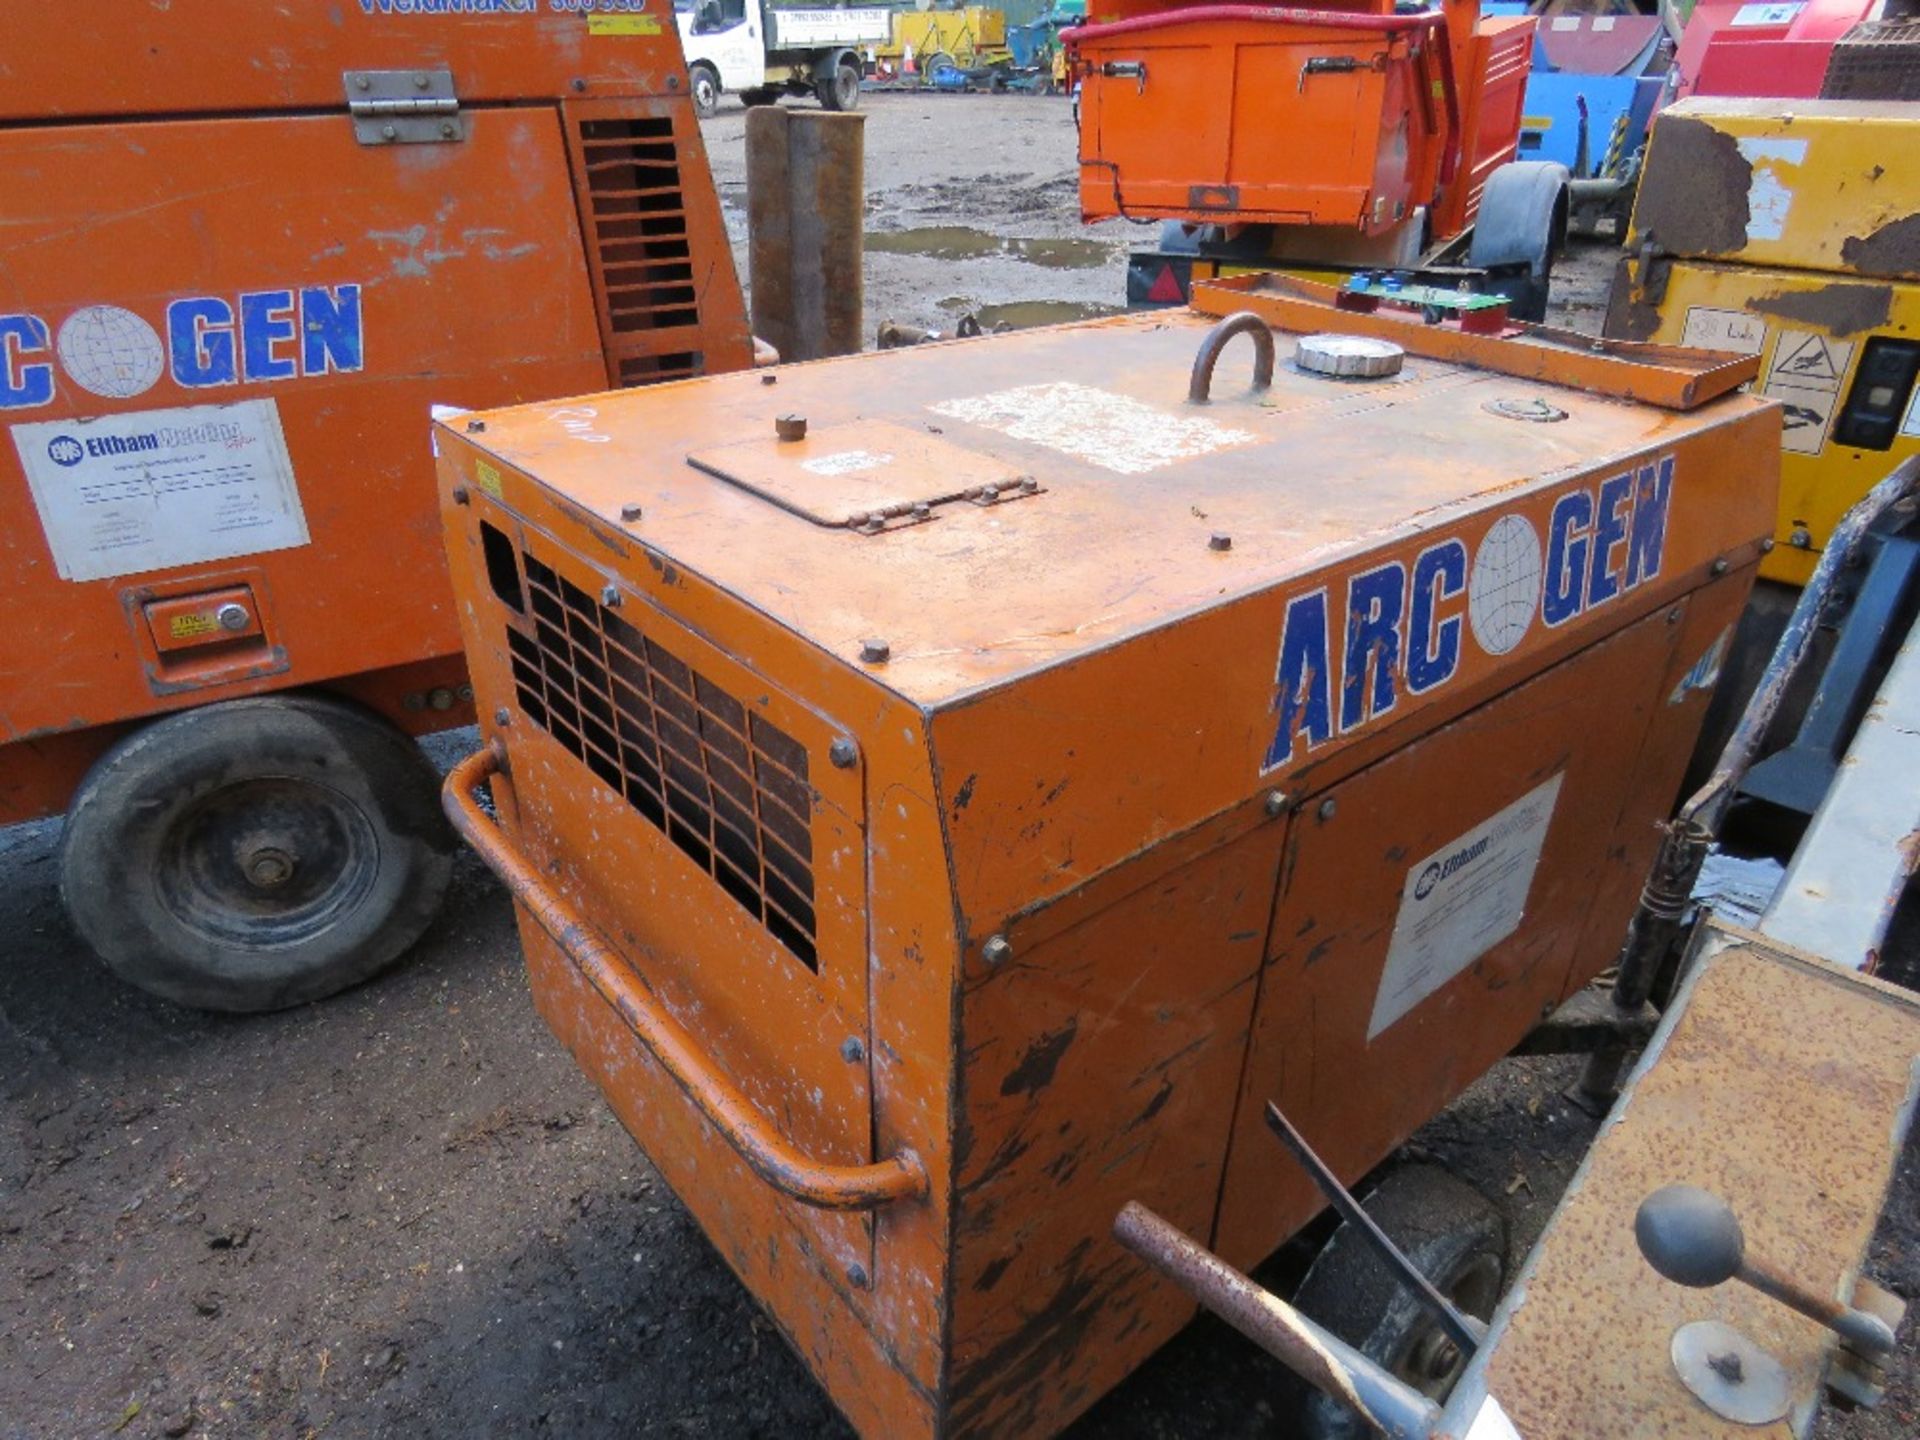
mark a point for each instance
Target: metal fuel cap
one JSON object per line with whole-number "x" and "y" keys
{"x": 1348, "y": 357}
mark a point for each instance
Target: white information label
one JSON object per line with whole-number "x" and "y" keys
{"x": 1735, "y": 330}
{"x": 1461, "y": 901}
{"x": 1911, "y": 425}
{"x": 1768, "y": 14}
{"x": 158, "y": 488}
{"x": 1115, "y": 432}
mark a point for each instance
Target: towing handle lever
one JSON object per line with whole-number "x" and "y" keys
{"x": 768, "y": 1153}
{"x": 1692, "y": 1237}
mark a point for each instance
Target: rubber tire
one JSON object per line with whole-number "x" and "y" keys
{"x": 764, "y": 95}
{"x": 157, "y": 787}
{"x": 842, "y": 92}
{"x": 703, "y": 82}
{"x": 1446, "y": 1227}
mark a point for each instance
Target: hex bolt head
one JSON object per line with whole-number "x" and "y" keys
{"x": 475, "y": 427}
{"x": 1327, "y": 808}
{"x": 1673, "y": 615}
{"x": 460, "y": 495}
{"x": 852, "y": 1050}
{"x": 1028, "y": 484}
{"x": 630, "y": 511}
{"x": 673, "y": 82}
{"x": 790, "y": 426}
{"x": 579, "y": 86}
{"x": 610, "y": 597}
{"x": 502, "y": 716}
{"x": 997, "y": 951}
{"x": 875, "y": 652}
{"x": 1720, "y": 566}
{"x": 1766, "y": 546}
{"x": 1220, "y": 540}
{"x": 1276, "y": 802}
{"x": 843, "y": 752}
{"x": 857, "y": 1277}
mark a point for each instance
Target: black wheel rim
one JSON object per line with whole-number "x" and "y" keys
{"x": 706, "y": 94}
{"x": 1429, "y": 1360}
{"x": 270, "y": 862}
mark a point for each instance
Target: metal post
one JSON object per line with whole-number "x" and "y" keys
{"x": 806, "y": 198}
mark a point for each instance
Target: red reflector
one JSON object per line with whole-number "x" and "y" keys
{"x": 1166, "y": 288}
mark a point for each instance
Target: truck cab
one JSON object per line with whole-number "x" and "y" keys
{"x": 744, "y": 46}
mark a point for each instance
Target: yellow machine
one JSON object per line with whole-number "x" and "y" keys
{"x": 975, "y": 35}
{"x": 1791, "y": 230}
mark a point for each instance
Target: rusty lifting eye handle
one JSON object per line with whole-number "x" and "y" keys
{"x": 1199, "y": 388}
{"x": 767, "y": 1152}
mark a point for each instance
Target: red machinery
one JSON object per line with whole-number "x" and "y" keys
{"x": 1840, "y": 49}
{"x": 1349, "y": 136}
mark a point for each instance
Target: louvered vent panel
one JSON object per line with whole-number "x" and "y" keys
{"x": 722, "y": 783}
{"x": 638, "y": 217}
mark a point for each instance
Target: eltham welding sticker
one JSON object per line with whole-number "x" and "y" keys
{"x": 1115, "y": 432}
{"x": 153, "y": 489}
{"x": 1461, "y": 901}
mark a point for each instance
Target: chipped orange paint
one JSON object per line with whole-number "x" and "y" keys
{"x": 203, "y": 148}
{"x": 1060, "y": 873}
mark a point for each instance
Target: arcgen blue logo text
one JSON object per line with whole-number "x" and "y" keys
{"x": 1401, "y": 628}
{"x": 202, "y": 342}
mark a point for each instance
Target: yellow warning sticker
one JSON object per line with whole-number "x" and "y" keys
{"x": 623, "y": 25}
{"x": 487, "y": 478}
{"x": 188, "y": 627}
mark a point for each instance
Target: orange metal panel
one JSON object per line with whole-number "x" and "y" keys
{"x": 1354, "y": 1083}
{"x": 227, "y": 56}
{"x": 1076, "y": 721}
{"x": 229, "y": 234}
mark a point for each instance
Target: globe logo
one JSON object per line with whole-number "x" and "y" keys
{"x": 65, "y": 450}
{"x": 110, "y": 352}
{"x": 1504, "y": 589}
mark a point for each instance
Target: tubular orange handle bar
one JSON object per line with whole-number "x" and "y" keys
{"x": 768, "y": 1153}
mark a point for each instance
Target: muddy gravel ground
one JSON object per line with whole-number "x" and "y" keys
{"x": 404, "y": 1212}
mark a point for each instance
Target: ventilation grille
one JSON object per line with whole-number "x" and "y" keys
{"x": 723, "y": 784}
{"x": 639, "y": 219}
{"x": 1875, "y": 60}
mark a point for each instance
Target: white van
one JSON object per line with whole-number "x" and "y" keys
{"x": 761, "y": 53}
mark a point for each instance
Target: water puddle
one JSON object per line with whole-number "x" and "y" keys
{"x": 1019, "y": 314}
{"x": 964, "y": 242}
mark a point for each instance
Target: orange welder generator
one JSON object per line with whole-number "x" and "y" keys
{"x": 945, "y": 805}
{"x": 248, "y": 246}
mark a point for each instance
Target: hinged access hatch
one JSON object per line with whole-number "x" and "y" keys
{"x": 867, "y": 476}
{"x": 404, "y": 107}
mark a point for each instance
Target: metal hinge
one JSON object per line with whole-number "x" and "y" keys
{"x": 404, "y": 107}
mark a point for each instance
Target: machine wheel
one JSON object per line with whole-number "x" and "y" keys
{"x": 256, "y": 853}
{"x": 1459, "y": 1241}
{"x": 765, "y": 95}
{"x": 842, "y": 91}
{"x": 705, "y": 83}
{"x": 933, "y": 64}
{"x": 1520, "y": 228}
